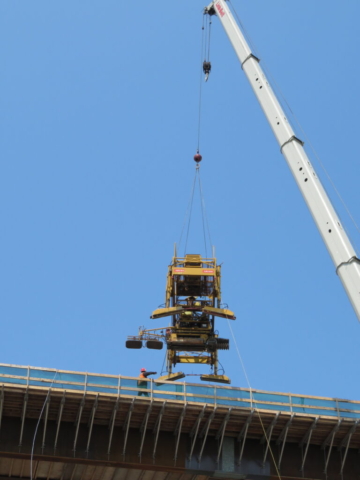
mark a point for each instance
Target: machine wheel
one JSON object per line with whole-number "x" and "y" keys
{"x": 134, "y": 344}
{"x": 154, "y": 344}
{"x": 223, "y": 344}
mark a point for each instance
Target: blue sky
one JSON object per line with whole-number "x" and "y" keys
{"x": 98, "y": 128}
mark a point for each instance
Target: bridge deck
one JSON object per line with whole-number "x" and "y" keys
{"x": 16, "y": 380}
{"x": 180, "y": 391}
{"x": 89, "y": 401}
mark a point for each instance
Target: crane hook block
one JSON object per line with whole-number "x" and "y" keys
{"x": 206, "y": 69}
{"x": 197, "y": 158}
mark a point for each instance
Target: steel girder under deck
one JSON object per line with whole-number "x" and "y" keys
{"x": 165, "y": 434}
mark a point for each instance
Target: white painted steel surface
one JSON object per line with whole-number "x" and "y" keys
{"x": 336, "y": 240}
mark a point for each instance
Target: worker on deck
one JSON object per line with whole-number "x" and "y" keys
{"x": 142, "y": 383}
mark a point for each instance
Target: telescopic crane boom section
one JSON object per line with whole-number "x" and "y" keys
{"x": 342, "y": 252}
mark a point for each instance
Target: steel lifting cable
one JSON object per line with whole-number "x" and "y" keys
{"x": 188, "y": 215}
{"x": 203, "y": 215}
{"x": 203, "y": 37}
{"x": 205, "y": 65}
{"x": 256, "y": 407}
{"x": 209, "y": 38}
{"x": 162, "y": 368}
{"x": 190, "y": 204}
{"x": 187, "y": 211}
{"x": 202, "y": 212}
{"x": 246, "y": 33}
{"x": 205, "y": 221}
{"x": 204, "y": 54}
{"x": 37, "y": 426}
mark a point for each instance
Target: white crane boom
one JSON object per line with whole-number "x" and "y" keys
{"x": 342, "y": 252}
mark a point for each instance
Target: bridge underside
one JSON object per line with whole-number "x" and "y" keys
{"x": 67, "y": 467}
{"x": 108, "y": 437}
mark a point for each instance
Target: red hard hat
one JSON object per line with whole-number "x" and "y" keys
{"x": 143, "y": 370}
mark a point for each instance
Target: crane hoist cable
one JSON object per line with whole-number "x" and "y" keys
{"x": 202, "y": 212}
{"x": 205, "y": 66}
{"x": 188, "y": 215}
{"x": 200, "y": 87}
{"x": 190, "y": 211}
{"x": 207, "y": 57}
{"x": 206, "y": 62}
{"x": 205, "y": 221}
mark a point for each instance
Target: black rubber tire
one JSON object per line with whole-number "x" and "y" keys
{"x": 223, "y": 344}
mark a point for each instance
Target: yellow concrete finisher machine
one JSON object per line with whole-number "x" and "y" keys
{"x": 193, "y": 300}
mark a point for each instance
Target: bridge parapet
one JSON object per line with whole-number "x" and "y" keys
{"x": 180, "y": 391}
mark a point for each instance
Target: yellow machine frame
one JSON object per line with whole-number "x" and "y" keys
{"x": 192, "y": 300}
